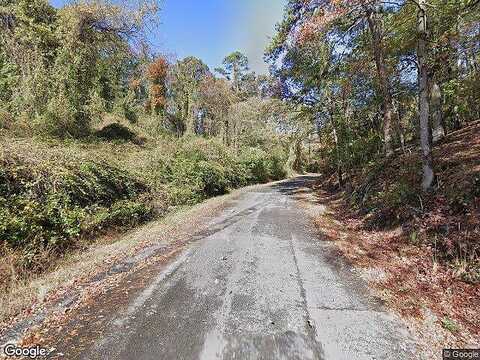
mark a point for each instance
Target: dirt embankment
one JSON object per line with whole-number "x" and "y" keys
{"x": 420, "y": 252}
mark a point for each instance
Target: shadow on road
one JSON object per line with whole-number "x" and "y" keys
{"x": 299, "y": 187}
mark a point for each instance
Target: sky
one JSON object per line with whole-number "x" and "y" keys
{"x": 211, "y": 29}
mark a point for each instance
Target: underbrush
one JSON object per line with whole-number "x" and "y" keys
{"x": 48, "y": 204}
{"x": 57, "y": 194}
{"x": 386, "y": 194}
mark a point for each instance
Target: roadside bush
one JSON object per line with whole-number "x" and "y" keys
{"x": 237, "y": 174}
{"x": 191, "y": 181}
{"x": 124, "y": 213}
{"x": 184, "y": 184}
{"x": 255, "y": 164}
{"x": 213, "y": 178}
{"x": 276, "y": 164}
{"x": 50, "y": 205}
{"x": 100, "y": 183}
{"x": 52, "y": 195}
{"x": 314, "y": 166}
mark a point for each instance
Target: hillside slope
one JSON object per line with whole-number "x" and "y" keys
{"x": 420, "y": 251}
{"x": 57, "y": 196}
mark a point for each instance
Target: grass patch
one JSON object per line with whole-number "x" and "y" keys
{"x": 449, "y": 325}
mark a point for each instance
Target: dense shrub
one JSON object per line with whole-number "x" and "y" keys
{"x": 127, "y": 108}
{"x": 255, "y": 165}
{"x": 213, "y": 178}
{"x": 52, "y": 195}
{"x": 48, "y": 205}
{"x": 201, "y": 168}
{"x": 276, "y": 164}
{"x": 196, "y": 172}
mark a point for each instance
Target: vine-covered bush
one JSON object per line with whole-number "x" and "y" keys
{"x": 48, "y": 205}
{"x": 52, "y": 195}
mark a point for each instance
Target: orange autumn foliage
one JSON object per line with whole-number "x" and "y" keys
{"x": 157, "y": 70}
{"x": 157, "y": 75}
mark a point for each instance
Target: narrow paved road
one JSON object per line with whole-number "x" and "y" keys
{"x": 259, "y": 284}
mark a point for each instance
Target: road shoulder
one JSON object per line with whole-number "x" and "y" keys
{"x": 50, "y": 300}
{"x": 397, "y": 274}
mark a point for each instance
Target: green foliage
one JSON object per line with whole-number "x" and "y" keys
{"x": 235, "y": 66}
{"x": 128, "y": 109}
{"x": 48, "y": 206}
{"x": 361, "y": 83}
{"x": 186, "y": 77}
{"x": 8, "y": 78}
{"x": 254, "y": 161}
{"x": 261, "y": 166}
{"x": 276, "y": 160}
{"x": 449, "y": 324}
{"x": 119, "y": 133}
{"x": 201, "y": 169}
{"x": 191, "y": 180}
{"x": 204, "y": 168}
{"x": 74, "y": 63}
{"x": 59, "y": 119}
{"x": 50, "y": 201}
{"x": 213, "y": 178}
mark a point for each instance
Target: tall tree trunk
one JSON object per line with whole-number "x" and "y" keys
{"x": 201, "y": 123}
{"x": 426, "y": 146}
{"x": 186, "y": 116}
{"x": 375, "y": 27}
{"x": 438, "y": 131}
{"x": 340, "y": 178}
{"x": 401, "y": 132}
{"x": 337, "y": 150}
{"x": 191, "y": 116}
{"x": 235, "y": 78}
{"x": 338, "y": 160}
{"x": 294, "y": 161}
{"x": 298, "y": 163}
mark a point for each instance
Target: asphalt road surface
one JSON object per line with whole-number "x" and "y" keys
{"x": 259, "y": 284}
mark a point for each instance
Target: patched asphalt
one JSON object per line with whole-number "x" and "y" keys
{"x": 259, "y": 283}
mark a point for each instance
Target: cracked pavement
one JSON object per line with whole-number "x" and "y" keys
{"x": 260, "y": 283}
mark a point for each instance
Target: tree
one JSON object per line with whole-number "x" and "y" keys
{"x": 375, "y": 24}
{"x": 157, "y": 75}
{"x": 28, "y": 46}
{"x": 324, "y": 49}
{"x": 423, "y": 103}
{"x": 70, "y": 61}
{"x": 215, "y": 99}
{"x": 346, "y": 18}
{"x": 234, "y": 68}
{"x": 184, "y": 82}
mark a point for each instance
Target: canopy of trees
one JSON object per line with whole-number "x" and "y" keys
{"x": 369, "y": 77}
{"x": 63, "y": 70}
{"x": 376, "y": 76}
